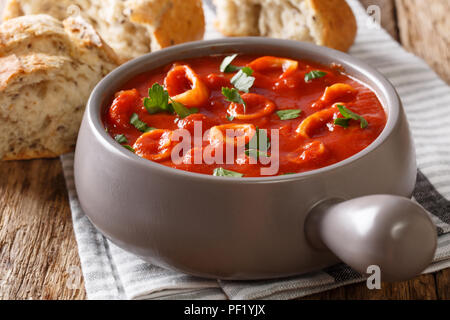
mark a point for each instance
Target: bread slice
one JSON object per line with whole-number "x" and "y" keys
{"x": 329, "y": 23}
{"x": 47, "y": 71}
{"x": 131, "y": 27}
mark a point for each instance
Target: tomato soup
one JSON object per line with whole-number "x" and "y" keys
{"x": 245, "y": 112}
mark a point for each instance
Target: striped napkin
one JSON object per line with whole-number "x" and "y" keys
{"x": 111, "y": 273}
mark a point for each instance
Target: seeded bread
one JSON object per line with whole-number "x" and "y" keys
{"x": 131, "y": 27}
{"x": 329, "y": 23}
{"x": 47, "y": 71}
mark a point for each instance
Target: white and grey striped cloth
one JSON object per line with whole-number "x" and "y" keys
{"x": 111, "y": 273}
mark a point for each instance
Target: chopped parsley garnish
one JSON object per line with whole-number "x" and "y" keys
{"x": 128, "y": 147}
{"x": 120, "y": 138}
{"x": 289, "y": 114}
{"x": 342, "y": 122}
{"x": 255, "y": 153}
{"x": 226, "y": 65}
{"x": 138, "y": 124}
{"x": 349, "y": 115}
{"x": 316, "y": 74}
{"x": 158, "y": 101}
{"x": 181, "y": 110}
{"x": 243, "y": 80}
{"x": 258, "y": 145}
{"x": 221, "y": 172}
{"x": 233, "y": 95}
{"x": 230, "y": 118}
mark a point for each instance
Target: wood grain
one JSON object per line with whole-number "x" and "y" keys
{"x": 422, "y": 288}
{"x": 443, "y": 284}
{"x": 425, "y": 30}
{"x": 38, "y": 252}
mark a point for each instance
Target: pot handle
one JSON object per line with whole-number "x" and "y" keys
{"x": 391, "y": 232}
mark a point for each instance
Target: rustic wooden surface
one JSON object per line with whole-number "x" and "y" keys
{"x": 38, "y": 253}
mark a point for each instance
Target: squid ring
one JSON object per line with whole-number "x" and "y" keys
{"x": 310, "y": 151}
{"x": 155, "y": 145}
{"x": 196, "y": 96}
{"x": 252, "y": 100}
{"x": 337, "y": 91}
{"x": 267, "y": 63}
{"x": 231, "y": 133}
{"x": 316, "y": 121}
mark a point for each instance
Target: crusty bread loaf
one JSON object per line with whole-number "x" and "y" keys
{"x": 329, "y": 23}
{"x": 47, "y": 71}
{"x": 131, "y": 27}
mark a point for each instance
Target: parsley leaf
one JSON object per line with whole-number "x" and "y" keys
{"x": 230, "y": 118}
{"x": 226, "y": 65}
{"x": 260, "y": 140}
{"x": 138, "y": 124}
{"x": 232, "y": 95}
{"x": 258, "y": 145}
{"x": 120, "y": 138}
{"x": 181, "y": 110}
{"x": 221, "y": 172}
{"x": 316, "y": 74}
{"x": 158, "y": 100}
{"x": 342, "y": 122}
{"x": 255, "y": 153}
{"x": 289, "y": 114}
{"x": 128, "y": 147}
{"x": 347, "y": 114}
{"x": 243, "y": 80}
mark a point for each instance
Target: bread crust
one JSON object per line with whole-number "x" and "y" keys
{"x": 337, "y": 22}
{"x": 47, "y": 71}
{"x": 35, "y": 154}
{"x": 132, "y": 27}
{"x": 331, "y": 23}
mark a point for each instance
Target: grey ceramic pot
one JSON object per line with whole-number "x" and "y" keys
{"x": 357, "y": 211}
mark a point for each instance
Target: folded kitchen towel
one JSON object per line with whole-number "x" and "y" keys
{"x": 111, "y": 273}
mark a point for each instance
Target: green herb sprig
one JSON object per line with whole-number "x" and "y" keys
{"x": 289, "y": 114}
{"x": 120, "y": 138}
{"x": 158, "y": 101}
{"x": 226, "y": 65}
{"x": 243, "y": 80}
{"x": 259, "y": 145}
{"x": 221, "y": 172}
{"x": 349, "y": 115}
{"x": 138, "y": 124}
{"x": 232, "y": 95}
{"x": 315, "y": 74}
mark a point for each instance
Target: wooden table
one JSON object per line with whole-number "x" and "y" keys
{"x": 38, "y": 251}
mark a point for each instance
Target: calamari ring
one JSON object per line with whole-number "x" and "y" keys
{"x": 252, "y": 100}
{"x": 192, "y": 94}
{"x": 335, "y": 92}
{"x": 122, "y": 108}
{"x": 155, "y": 145}
{"x": 310, "y": 151}
{"x": 316, "y": 121}
{"x": 231, "y": 133}
{"x": 268, "y": 62}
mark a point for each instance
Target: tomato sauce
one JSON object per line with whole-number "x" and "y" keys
{"x": 309, "y": 139}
